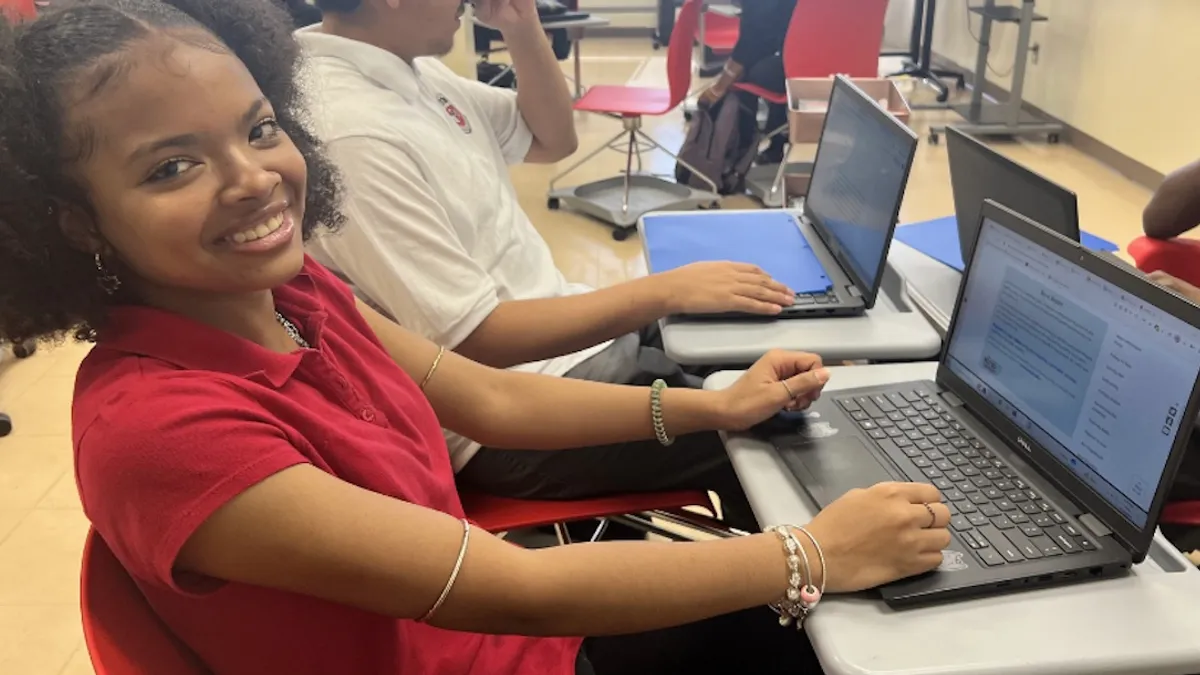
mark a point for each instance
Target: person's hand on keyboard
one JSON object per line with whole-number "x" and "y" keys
{"x": 720, "y": 287}
{"x": 883, "y": 533}
{"x": 778, "y": 381}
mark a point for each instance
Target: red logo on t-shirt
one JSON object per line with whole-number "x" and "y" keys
{"x": 455, "y": 114}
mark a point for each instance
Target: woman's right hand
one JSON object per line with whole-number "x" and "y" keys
{"x": 883, "y": 533}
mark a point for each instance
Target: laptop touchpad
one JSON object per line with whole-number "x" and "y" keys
{"x": 830, "y": 467}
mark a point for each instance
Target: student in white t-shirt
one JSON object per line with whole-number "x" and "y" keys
{"x": 436, "y": 236}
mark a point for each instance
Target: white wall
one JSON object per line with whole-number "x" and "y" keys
{"x": 1121, "y": 71}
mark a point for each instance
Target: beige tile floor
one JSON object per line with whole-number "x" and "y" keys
{"x": 41, "y": 524}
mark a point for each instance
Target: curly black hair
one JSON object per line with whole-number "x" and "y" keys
{"x": 49, "y": 288}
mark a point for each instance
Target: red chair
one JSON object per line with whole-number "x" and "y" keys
{"x": 499, "y": 514}
{"x": 718, "y": 33}
{"x": 630, "y": 104}
{"x": 1178, "y": 257}
{"x": 125, "y": 637}
{"x": 122, "y": 633}
{"x": 17, "y": 10}
{"x": 825, "y": 38}
{"x": 1181, "y": 259}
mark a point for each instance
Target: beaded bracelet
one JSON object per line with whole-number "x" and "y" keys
{"x": 656, "y": 413}
{"x": 801, "y": 596}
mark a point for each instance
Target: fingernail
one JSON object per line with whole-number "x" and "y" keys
{"x": 822, "y": 375}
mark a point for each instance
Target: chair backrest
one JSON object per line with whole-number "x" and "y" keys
{"x": 834, "y": 37}
{"x": 679, "y": 51}
{"x": 123, "y": 634}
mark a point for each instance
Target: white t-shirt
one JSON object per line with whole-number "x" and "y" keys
{"x": 434, "y": 233}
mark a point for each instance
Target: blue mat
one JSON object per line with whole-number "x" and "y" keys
{"x": 938, "y": 239}
{"x": 769, "y": 239}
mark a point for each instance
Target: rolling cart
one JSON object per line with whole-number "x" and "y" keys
{"x": 1008, "y": 118}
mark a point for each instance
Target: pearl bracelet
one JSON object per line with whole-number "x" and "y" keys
{"x": 801, "y": 595}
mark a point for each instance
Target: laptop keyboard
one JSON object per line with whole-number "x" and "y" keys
{"x": 992, "y": 510}
{"x": 824, "y": 298}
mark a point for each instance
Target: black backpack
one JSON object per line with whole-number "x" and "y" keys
{"x": 714, "y": 147}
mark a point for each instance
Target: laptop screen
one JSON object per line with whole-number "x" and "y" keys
{"x": 858, "y": 180}
{"x": 977, "y": 173}
{"x": 1090, "y": 372}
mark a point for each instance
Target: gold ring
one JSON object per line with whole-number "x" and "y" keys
{"x": 788, "y": 389}
{"x": 932, "y": 516}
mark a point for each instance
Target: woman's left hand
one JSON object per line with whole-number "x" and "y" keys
{"x": 778, "y": 381}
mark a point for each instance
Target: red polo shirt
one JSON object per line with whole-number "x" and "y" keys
{"x": 172, "y": 419}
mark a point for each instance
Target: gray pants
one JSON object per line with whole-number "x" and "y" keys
{"x": 694, "y": 462}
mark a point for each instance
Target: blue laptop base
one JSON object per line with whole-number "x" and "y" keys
{"x": 938, "y": 239}
{"x": 769, "y": 239}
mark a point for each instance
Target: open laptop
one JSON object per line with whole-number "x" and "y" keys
{"x": 1061, "y": 411}
{"x": 978, "y": 172}
{"x": 858, "y": 178}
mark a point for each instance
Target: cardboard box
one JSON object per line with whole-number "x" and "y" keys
{"x": 808, "y": 99}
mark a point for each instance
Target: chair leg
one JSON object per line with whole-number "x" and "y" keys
{"x": 601, "y": 528}
{"x": 628, "y": 171}
{"x": 695, "y": 172}
{"x": 585, "y": 159}
{"x": 560, "y": 531}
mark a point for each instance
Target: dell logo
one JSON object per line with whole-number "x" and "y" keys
{"x": 1024, "y": 444}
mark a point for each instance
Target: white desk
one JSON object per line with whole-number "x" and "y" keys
{"x": 1148, "y": 622}
{"x": 930, "y": 285}
{"x": 575, "y": 30}
{"x": 891, "y": 331}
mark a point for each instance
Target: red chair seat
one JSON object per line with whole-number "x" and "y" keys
{"x": 778, "y": 97}
{"x": 720, "y": 32}
{"x": 1181, "y": 513}
{"x": 498, "y": 514}
{"x": 1178, "y": 257}
{"x": 626, "y": 101}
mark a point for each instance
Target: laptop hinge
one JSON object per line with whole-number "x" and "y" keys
{"x": 952, "y": 400}
{"x": 854, "y": 291}
{"x": 1093, "y": 524}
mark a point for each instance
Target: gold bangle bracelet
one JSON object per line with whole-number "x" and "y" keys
{"x": 433, "y": 368}
{"x": 458, "y": 563}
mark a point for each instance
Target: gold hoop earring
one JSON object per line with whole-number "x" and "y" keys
{"x": 108, "y": 281}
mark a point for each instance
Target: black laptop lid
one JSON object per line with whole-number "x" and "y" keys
{"x": 858, "y": 180}
{"x": 978, "y": 172}
{"x": 1089, "y": 369}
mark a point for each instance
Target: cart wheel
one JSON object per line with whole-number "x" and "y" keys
{"x": 24, "y": 350}
{"x": 933, "y": 138}
{"x": 655, "y": 45}
{"x": 687, "y": 116}
{"x": 552, "y": 203}
{"x": 713, "y": 206}
{"x": 943, "y": 96}
{"x": 5, "y": 425}
{"x": 1052, "y": 139}
{"x": 621, "y": 233}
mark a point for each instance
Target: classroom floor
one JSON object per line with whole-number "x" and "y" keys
{"x": 42, "y": 527}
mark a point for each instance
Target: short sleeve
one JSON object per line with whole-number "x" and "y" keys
{"x": 155, "y": 465}
{"x": 398, "y": 247}
{"x": 498, "y": 105}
